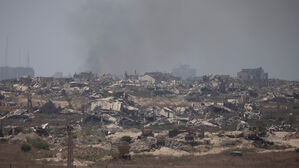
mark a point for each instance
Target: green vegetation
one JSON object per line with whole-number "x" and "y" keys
{"x": 26, "y": 147}
{"x": 126, "y": 139}
{"x": 38, "y": 143}
{"x": 297, "y": 149}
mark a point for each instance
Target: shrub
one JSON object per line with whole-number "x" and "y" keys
{"x": 26, "y": 147}
{"x": 49, "y": 108}
{"x": 126, "y": 139}
{"x": 41, "y": 145}
{"x": 38, "y": 143}
{"x": 297, "y": 149}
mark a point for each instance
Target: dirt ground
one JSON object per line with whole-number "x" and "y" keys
{"x": 249, "y": 160}
{"x": 11, "y": 154}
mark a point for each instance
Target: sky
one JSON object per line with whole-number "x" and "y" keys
{"x": 114, "y": 36}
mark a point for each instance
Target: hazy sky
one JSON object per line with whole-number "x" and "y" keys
{"x": 213, "y": 36}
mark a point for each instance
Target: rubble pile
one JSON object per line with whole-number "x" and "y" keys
{"x": 196, "y": 114}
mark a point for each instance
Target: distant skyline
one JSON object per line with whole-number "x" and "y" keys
{"x": 114, "y": 36}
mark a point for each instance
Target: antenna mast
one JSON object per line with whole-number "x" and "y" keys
{"x": 28, "y": 59}
{"x": 6, "y": 53}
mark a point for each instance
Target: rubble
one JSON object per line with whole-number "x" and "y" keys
{"x": 147, "y": 133}
{"x": 210, "y": 113}
{"x": 145, "y": 145}
{"x": 42, "y": 130}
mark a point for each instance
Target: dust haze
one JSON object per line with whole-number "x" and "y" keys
{"x": 114, "y": 36}
{"x": 212, "y": 36}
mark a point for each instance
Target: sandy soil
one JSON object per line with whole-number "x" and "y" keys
{"x": 223, "y": 160}
{"x": 11, "y": 154}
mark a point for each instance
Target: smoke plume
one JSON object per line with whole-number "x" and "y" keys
{"x": 212, "y": 36}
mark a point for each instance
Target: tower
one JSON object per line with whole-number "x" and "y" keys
{"x": 28, "y": 59}
{"x": 6, "y": 53}
{"x": 19, "y": 59}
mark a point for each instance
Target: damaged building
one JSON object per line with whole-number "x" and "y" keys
{"x": 15, "y": 72}
{"x": 184, "y": 72}
{"x": 256, "y": 75}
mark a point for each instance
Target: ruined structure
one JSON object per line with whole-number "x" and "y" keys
{"x": 184, "y": 72}
{"x": 257, "y": 74}
{"x": 84, "y": 76}
{"x": 15, "y": 72}
{"x": 254, "y": 76}
{"x": 159, "y": 112}
{"x": 58, "y": 75}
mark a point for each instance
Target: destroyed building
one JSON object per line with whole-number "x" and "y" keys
{"x": 184, "y": 72}
{"x": 157, "y": 110}
{"x": 84, "y": 76}
{"x": 15, "y": 72}
{"x": 58, "y": 75}
{"x": 257, "y": 74}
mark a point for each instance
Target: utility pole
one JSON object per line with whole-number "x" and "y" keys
{"x": 1, "y": 128}
{"x": 6, "y": 53}
{"x": 20, "y": 53}
{"x": 29, "y": 103}
{"x": 70, "y": 147}
{"x": 28, "y": 59}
